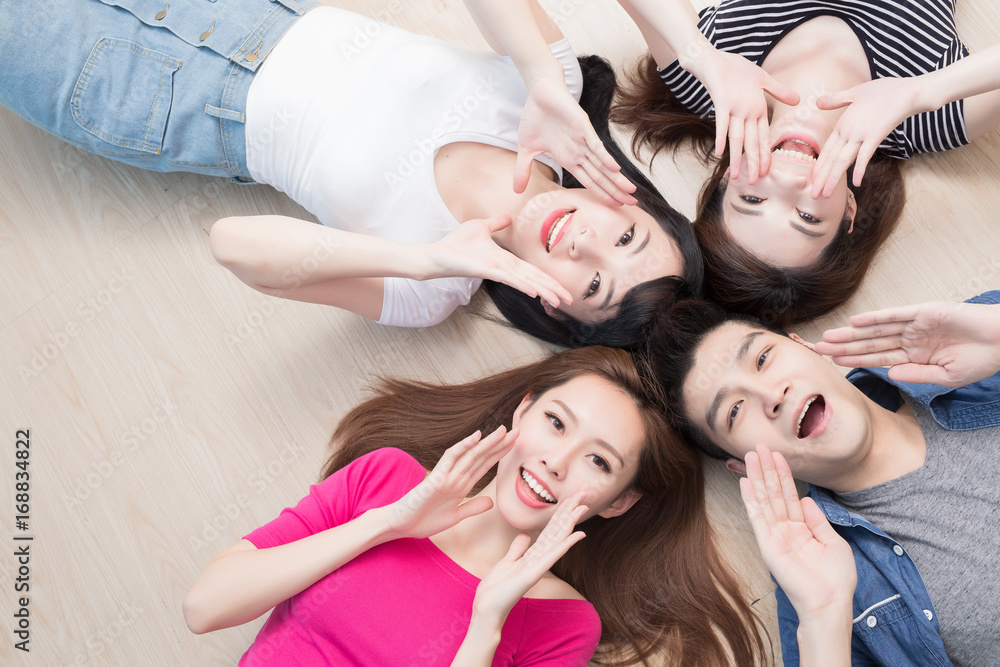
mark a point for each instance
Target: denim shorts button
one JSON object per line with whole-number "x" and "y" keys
{"x": 929, "y": 614}
{"x": 871, "y": 621}
{"x": 898, "y": 550}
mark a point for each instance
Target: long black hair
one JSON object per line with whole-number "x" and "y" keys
{"x": 641, "y": 302}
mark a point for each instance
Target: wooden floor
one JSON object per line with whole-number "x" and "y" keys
{"x": 171, "y": 409}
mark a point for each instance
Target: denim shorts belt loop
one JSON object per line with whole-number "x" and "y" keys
{"x": 159, "y": 84}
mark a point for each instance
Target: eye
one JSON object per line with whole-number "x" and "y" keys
{"x": 627, "y": 236}
{"x": 556, "y": 422}
{"x": 594, "y": 287}
{"x": 733, "y": 411}
{"x": 762, "y": 358}
{"x": 600, "y": 462}
{"x": 750, "y": 199}
{"x": 811, "y": 219}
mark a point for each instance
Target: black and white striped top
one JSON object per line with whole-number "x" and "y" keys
{"x": 900, "y": 37}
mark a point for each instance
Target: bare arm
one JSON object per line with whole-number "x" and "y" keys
{"x": 552, "y": 121}
{"x": 242, "y": 582}
{"x": 304, "y": 261}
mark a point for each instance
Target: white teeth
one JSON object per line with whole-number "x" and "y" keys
{"x": 536, "y": 487}
{"x": 794, "y": 154}
{"x": 798, "y": 428}
{"x": 554, "y": 230}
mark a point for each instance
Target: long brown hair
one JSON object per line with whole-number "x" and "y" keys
{"x": 734, "y": 277}
{"x": 738, "y": 280}
{"x": 654, "y": 574}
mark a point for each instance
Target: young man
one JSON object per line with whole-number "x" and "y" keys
{"x": 878, "y": 448}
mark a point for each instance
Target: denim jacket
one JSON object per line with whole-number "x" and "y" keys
{"x": 894, "y": 619}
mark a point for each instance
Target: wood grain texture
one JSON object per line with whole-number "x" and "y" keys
{"x": 172, "y": 409}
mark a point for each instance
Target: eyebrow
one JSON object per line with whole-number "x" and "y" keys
{"x": 745, "y": 211}
{"x": 738, "y": 360}
{"x": 642, "y": 246}
{"x": 805, "y": 231}
{"x": 603, "y": 443}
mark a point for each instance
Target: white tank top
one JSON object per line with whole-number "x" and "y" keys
{"x": 346, "y": 115}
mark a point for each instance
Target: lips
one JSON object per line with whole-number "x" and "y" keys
{"x": 797, "y": 146}
{"x": 532, "y": 492}
{"x": 813, "y": 417}
{"x": 555, "y": 226}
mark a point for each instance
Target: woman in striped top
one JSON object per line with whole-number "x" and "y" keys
{"x": 784, "y": 236}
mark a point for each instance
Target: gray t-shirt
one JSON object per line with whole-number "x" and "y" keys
{"x": 946, "y": 514}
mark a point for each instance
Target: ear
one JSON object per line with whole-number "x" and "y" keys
{"x": 621, "y": 504}
{"x": 550, "y": 310}
{"x": 811, "y": 346}
{"x": 736, "y": 466}
{"x": 522, "y": 406}
{"x": 852, "y": 209}
{"x": 802, "y": 341}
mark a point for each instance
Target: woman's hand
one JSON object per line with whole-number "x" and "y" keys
{"x": 874, "y": 109}
{"x": 951, "y": 344}
{"x": 526, "y": 563}
{"x": 813, "y": 565}
{"x": 737, "y": 88}
{"x": 439, "y": 501}
{"x": 469, "y": 250}
{"x": 554, "y": 123}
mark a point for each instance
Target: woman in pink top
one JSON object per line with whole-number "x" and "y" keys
{"x": 592, "y": 530}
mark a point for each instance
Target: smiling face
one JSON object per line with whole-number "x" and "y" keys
{"x": 597, "y": 252}
{"x": 777, "y": 219}
{"x": 749, "y": 386}
{"x": 584, "y": 435}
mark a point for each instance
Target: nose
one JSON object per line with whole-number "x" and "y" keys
{"x": 555, "y": 462}
{"x": 582, "y": 244}
{"x": 790, "y": 178}
{"x": 774, "y": 398}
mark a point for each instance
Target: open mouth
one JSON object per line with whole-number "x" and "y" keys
{"x": 556, "y": 230}
{"x": 535, "y": 489}
{"x": 811, "y": 416}
{"x": 796, "y": 149}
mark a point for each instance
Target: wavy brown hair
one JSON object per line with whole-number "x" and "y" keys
{"x": 654, "y": 574}
{"x": 734, "y": 277}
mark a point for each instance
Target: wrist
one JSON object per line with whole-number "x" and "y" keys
{"x": 824, "y": 637}
{"x": 924, "y": 94}
{"x": 697, "y": 55}
{"x": 486, "y": 627}
{"x": 547, "y": 74}
{"x": 378, "y": 525}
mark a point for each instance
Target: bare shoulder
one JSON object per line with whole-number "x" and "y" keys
{"x": 551, "y": 587}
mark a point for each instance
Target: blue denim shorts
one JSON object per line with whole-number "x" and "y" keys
{"x": 155, "y": 84}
